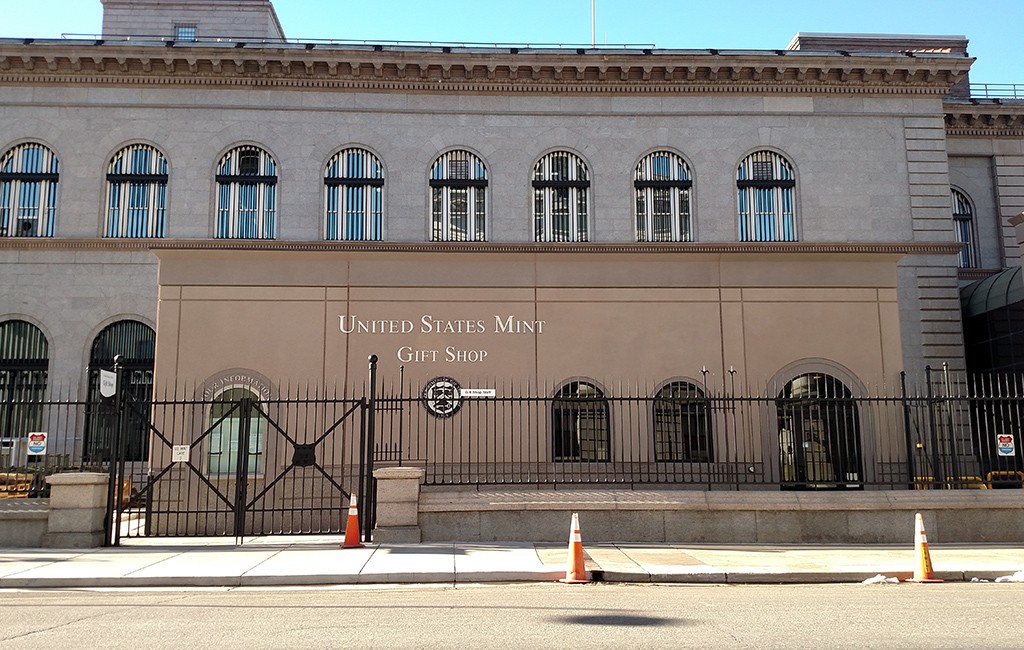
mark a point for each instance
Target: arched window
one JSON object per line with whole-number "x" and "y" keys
{"x": 135, "y": 342}
{"x": 579, "y": 415}
{"x": 354, "y": 186}
{"x": 233, "y": 420}
{"x": 458, "y": 198}
{"x": 137, "y": 193}
{"x": 682, "y": 424}
{"x": 24, "y": 359}
{"x": 663, "y": 185}
{"x": 765, "y": 185}
{"x": 963, "y": 222}
{"x": 561, "y": 198}
{"x": 819, "y": 433}
{"x": 28, "y": 191}
{"x": 246, "y": 194}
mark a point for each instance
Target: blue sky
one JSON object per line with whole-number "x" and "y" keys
{"x": 993, "y": 26}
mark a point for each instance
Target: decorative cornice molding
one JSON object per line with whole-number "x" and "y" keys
{"x": 776, "y": 248}
{"x": 989, "y": 119}
{"x": 474, "y": 71}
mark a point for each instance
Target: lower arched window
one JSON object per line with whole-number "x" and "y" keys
{"x": 237, "y": 433}
{"x": 682, "y": 424}
{"x": 135, "y": 343}
{"x": 579, "y": 415}
{"x": 24, "y": 357}
{"x": 819, "y": 433}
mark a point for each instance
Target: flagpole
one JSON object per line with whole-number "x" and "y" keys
{"x": 593, "y": 24}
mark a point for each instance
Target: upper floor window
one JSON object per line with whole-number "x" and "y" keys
{"x": 28, "y": 191}
{"x": 247, "y": 194}
{"x": 354, "y": 185}
{"x": 561, "y": 198}
{"x": 963, "y": 222}
{"x": 137, "y": 193}
{"x": 663, "y": 185}
{"x": 186, "y": 32}
{"x": 765, "y": 185}
{"x": 458, "y": 198}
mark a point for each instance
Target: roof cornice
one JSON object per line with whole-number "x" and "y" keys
{"x": 778, "y": 248}
{"x": 499, "y": 71}
{"x": 985, "y": 118}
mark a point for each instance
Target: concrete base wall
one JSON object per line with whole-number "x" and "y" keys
{"x": 875, "y": 517}
{"x": 23, "y": 522}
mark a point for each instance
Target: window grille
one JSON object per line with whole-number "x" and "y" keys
{"x": 353, "y": 187}
{"x": 29, "y": 175}
{"x": 137, "y": 193}
{"x": 963, "y": 222}
{"x": 24, "y": 362}
{"x": 561, "y": 198}
{"x": 662, "y": 183}
{"x": 682, "y": 424}
{"x": 186, "y": 32}
{"x": 458, "y": 197}
{"x": 765, "y": 185}
{"x": 247, "y": 195}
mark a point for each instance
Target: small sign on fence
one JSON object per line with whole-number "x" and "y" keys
{"x": 1004, "y": 444}
{"x": 37, "y": 443}
{"x": 108, "y": 383}
{"x": 179, "y": 453}
{"x": 478, "y": 392}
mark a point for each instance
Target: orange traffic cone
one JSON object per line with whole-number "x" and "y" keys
{"x": 923, "y": 572}
{"x": 352, "y": 526}
{"x": 576, "y": 570}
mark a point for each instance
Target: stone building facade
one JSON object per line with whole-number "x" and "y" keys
{"x": 497, "y": 183}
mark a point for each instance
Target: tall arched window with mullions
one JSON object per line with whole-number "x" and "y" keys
{"x": 24, "y": 362}
{"x": 963, "y": 221}
{"x": 458, "y": 198}
{"x": 137, "y": 193}
{"x": 682, "y": 424}
{"x": 135, "y": 343}
{"x": 354, "y": 188}
{"x": 561, "y": 198}
{"x": 29, "y": 174}
{"x": 766, "y": 184}
{"x": 246, "y": 194}
{"x": 580, "y": 423}
{"x": 662, "y": 182}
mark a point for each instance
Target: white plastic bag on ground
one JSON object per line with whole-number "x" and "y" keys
{"x": 1016, "y": 577}
{"x": 880, "y": 580}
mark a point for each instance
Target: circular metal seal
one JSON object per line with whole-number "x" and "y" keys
{"x": 442, "y": 397}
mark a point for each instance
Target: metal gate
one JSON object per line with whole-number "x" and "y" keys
{"x": 235, "y": 462}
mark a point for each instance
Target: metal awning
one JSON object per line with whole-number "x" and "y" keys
{"x": 999, "y": 290}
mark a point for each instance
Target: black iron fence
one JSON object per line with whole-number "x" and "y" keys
{"x": 241, "y": 460}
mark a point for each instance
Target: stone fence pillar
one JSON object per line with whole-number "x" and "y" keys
{"x": 78, "y": 504}
{"x": 398, "y": 505}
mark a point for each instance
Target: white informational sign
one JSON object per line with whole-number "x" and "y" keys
{"x": 179, "y": 453}
{"x": 37, "y": 443}
{"x": 478, "y": 392}
{"x": 108, "y": 383}
{"x": 1005, "y": 444}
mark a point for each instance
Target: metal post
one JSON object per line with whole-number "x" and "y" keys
{"x": 908, "y": 433}
{"x": 369, "y": 497}
{"x": 241, "y": 468}
{"x": 937, "y": 469}
{"x": 112, "y": 521}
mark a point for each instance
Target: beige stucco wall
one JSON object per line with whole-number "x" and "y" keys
{"x": 643, "y": 317}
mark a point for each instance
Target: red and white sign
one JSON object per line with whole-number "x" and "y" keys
{"x": 1004, "y": 444}
{"x": 37, "y": 443}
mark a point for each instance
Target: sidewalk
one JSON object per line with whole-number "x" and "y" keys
{"x": 299, "y": 561}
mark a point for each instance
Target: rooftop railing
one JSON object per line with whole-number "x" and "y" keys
{"x": 997, "y": 91}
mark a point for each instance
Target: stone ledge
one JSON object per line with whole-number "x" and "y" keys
{"x": 690, "y": 500}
